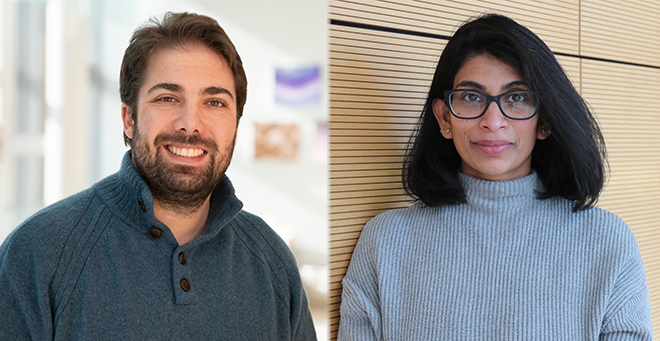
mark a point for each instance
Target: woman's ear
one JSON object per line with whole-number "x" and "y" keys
{"x": 542, "y": 132}
{"x": 441, "y": 113}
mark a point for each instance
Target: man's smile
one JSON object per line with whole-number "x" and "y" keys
{"x": 185, "y": 152}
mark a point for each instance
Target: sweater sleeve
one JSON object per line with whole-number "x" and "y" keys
{"x": 29, "y": 260}
{"x": 360, "y": 307}
{"x": 628, "y": 315}
{"x": 265, "y": 243}
{"x": 302, "y": 324}
{"x": 24, "y": 297}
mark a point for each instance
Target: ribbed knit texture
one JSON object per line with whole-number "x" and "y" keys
{"x": 504, "y": 266}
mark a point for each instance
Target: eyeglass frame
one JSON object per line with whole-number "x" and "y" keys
{"x": 490, "y": 99}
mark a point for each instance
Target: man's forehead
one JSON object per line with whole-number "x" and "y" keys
{"x": 163, "y": 79}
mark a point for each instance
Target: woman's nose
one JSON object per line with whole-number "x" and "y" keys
{"x": 493, "y": 119}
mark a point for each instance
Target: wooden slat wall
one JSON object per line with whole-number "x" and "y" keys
{"x": 624, "y": 90}
{"x": 378, "y": 81}
{"x": 627, "y": 100}
{"x": 555, "y": 21}
{"x": 627, "y": 31}
{"x": 380, "y": 70}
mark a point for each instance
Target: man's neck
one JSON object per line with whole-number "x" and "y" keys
{"x": 185, "y": 227}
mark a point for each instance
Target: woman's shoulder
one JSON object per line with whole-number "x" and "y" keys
{"x": 604, "y": 221}
{"x": 400, "y": 221}
{"x": 596, "y": 218}
{"x": 417, "y": 210}
{"x": 595, "y": 223}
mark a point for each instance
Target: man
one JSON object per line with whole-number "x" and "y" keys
{"x": 161, "y": 249}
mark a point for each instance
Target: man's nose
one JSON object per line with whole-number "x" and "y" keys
{"x": 189, "y": 119}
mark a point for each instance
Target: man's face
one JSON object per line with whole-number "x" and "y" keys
{"x": 185, "y": 132}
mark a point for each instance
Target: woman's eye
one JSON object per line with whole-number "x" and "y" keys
{"x": 516, "y": 97}
{"x": 471, "y": 97}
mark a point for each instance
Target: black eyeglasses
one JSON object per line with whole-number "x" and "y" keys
{"x": 516, "y": 104}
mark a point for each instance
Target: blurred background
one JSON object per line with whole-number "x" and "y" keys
{"x": 61, "y": 131}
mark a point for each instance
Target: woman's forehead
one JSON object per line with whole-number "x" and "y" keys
{"x": 485, "y": 72}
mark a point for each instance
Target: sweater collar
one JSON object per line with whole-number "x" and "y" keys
{"x": 525, "y": 187}
{"x": 129, "y": 198}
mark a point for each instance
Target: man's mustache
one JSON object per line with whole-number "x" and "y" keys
{"x": 192, "y": 140}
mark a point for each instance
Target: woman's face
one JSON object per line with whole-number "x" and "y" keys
{"x": 492, "y": 147}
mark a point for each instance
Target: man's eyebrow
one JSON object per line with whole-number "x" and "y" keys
{"x": 471, "y": 84}
{"x": 166, "y": 86}
{"x": 214, "y": 90}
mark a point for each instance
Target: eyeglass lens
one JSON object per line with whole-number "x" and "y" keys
{"x": 514, "y": 104}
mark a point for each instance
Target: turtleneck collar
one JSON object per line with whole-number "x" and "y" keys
{"x": 528, "y": 186}
{"x": 499, "y": 201}
{"x": 129, "y": 198}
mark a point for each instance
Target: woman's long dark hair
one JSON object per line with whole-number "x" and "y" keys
{"x": 570, "y": 162}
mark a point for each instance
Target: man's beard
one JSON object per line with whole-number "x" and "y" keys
{"x": 181, "y": 188}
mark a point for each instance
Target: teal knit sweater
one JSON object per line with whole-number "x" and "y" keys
{"x": 99, "y": 266}
{"x": 503, "y": 266}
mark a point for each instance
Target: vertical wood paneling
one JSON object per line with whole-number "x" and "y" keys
{"x": 379, "y": 80}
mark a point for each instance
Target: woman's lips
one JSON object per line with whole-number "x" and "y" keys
{"x": 493, "y": 147}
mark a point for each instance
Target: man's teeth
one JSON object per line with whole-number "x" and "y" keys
{"x": 185, "y": 152}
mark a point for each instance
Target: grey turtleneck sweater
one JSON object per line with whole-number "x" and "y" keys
{"x": 503, "y": 266}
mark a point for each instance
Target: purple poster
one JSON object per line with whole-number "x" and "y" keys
{"x": 299, "y": 86}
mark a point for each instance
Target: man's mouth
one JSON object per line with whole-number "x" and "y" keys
{"x": 192, "y": 152}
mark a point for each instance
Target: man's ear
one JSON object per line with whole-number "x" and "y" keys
{"x": 127, "y": 119}
{"x": 441, "y": 113}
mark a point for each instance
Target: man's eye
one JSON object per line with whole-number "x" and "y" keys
{"x": 216, "y": 103}
{"x": 167, "y": 99}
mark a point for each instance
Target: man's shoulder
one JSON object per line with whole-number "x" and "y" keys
{"x": 40, "y": 242}
{"x": 50, "y": 226}
{"x": 263, "y": 241}
{"x": 260, "y": 232}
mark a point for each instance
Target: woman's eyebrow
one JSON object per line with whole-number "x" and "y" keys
{"x": 505, "y": 87}
{"x": 513, "y": 85}
{"x": 471, "y": 84}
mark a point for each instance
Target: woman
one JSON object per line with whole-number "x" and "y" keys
{"x": 503, "y": 242}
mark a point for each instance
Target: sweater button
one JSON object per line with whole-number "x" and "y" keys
{"x": 142, "y": 207}
{"x": 185, "y": 284}
{"x": 182, "y": 258}
{"x": 155, "y": 232}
